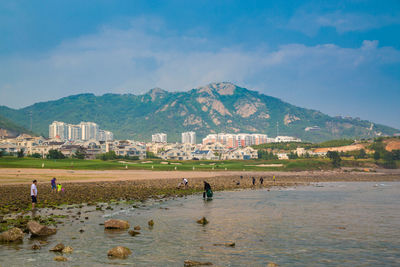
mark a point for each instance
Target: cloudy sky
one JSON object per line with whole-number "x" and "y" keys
{"x": 342, "y": 58}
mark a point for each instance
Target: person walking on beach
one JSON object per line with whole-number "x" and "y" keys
{"x": 53, "y": 185}
{"x": 34, "y": 193}
{"x": 261, "y": 180}
{"x": 59, "y": 188}
{"x": 274, "y": 179}
{"x": 254, "y": 180}
{"x": 207, "y": 190}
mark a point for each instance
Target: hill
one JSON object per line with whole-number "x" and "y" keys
{"x": 9, "y": 128}
{"x": 217, "y": 107}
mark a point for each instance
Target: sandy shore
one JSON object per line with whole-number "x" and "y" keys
{"x": 25, "y": 176}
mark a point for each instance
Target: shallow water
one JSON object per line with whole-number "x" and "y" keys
{"x": 300, "y": 226}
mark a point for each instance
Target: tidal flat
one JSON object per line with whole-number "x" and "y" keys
{"x": 320, "y": 224}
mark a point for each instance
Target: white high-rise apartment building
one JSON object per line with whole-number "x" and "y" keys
{"x": 74, "y": 132}
{"x": 105, "y": 135}
{"x": 83, "y": 131}
{"x": 189, "y": 138}
{"x": 58, "y": 129}
{"x": 159, "y": 138}
{"x": 90, "y": 130}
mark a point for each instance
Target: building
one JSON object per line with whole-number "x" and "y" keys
{"x": 244, "y": 153}
{"x": 105, "y": 135}
{"x": 189, "y": 138}
{"x": 59, "y": 130}
{"x": 74, "y": 132}
{"x": 236, "y": 140}
{"x": 90, "y": 130}
{"x": 286, "y": 139}
{"x": 159, "y": 138}
{"x": 83, "y": 131}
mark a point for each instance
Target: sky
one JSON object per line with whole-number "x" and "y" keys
{"x": 338, "y": 57}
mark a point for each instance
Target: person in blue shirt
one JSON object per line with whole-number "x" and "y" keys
{"x": 53, "y": 185}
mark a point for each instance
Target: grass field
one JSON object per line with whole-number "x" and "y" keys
{"x": 159, "y": 165}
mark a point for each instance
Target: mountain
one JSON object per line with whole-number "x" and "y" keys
{"x": 9, "y": 128}
{"x": 217, "y": 107}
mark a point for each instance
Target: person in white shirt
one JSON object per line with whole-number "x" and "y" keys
{"x": 185, "y": 182}
{"x": 34, "y": 193}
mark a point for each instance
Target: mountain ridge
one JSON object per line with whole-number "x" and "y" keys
{"x": 216, "y": 107}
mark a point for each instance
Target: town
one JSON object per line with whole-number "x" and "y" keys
{"x": 88, "y": 141}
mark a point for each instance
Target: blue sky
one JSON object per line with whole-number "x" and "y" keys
{"x": 339, "y": 57}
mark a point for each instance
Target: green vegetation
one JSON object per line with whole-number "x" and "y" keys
{"x": 335, "y": 158}
{"x": 11, "y": 126}
{"x": 306, "y": 145}
{"x": 159, "y": 165}
{"x": 55, "y": 154}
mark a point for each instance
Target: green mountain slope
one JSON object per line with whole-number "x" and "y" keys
{"x": 11, "y": 127}
{"x": 218, "y": 107}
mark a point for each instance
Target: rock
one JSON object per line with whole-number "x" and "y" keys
{"x": 229, "y": 244}
{"x": 43, "y": 242}
{"x": 151, "y": 223}
{"x": 133, "y": 233}
{"x": 58, "y": 248}
{"x": 202, "y": 221}
{"x": 67, "y": 249}
{"x": 60, "y": 258}
{"x": 272, "y": 264}
{"x": 119, "y": 252}
{"x": 12, "y": 235}
{"x": 37, "y": 229}
{"x": 189, "y": 263}
{"x": 36, "y": 246}
{"x": 81, "y": 231}
{"x": 116, "y": 224}
{"x": 137, "y": 227}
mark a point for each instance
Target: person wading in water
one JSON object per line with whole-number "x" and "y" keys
{"x": 207, "y": 190}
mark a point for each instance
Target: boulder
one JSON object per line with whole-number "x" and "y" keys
{"x": 272, "y": 264}
{"x": 133, "y": 233}
{"x": 12, "y": 235}
{"x": 36, "y": 246}
{"x": 119, "y": 252}
{"x": 116, "y": 224}
{"x": 137, "y": 228}
{"x": 202, "y": 221}
{"x": 67, "y": 249}
{"x": 60, "y": 258}
{"x": 58, "y": 248}
{"x": 37, "y": 229}
{"x": 151, "y": 223}
{"x": 189, "y": 263}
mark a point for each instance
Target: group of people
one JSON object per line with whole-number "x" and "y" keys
{"x": 207, "y": 194}
{"x": 56, "y": 188}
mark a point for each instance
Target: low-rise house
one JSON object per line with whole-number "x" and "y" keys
{"x": 130, "y": 149}
{"x": 240, "y": 154}
{"x": 174, "y": 154}
{"x": 204, "y": 155}
{"x": 9, "y": 148}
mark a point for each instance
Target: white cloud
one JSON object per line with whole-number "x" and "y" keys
{"x": 309, "y": 22}
{"x": 140, "y": 57}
